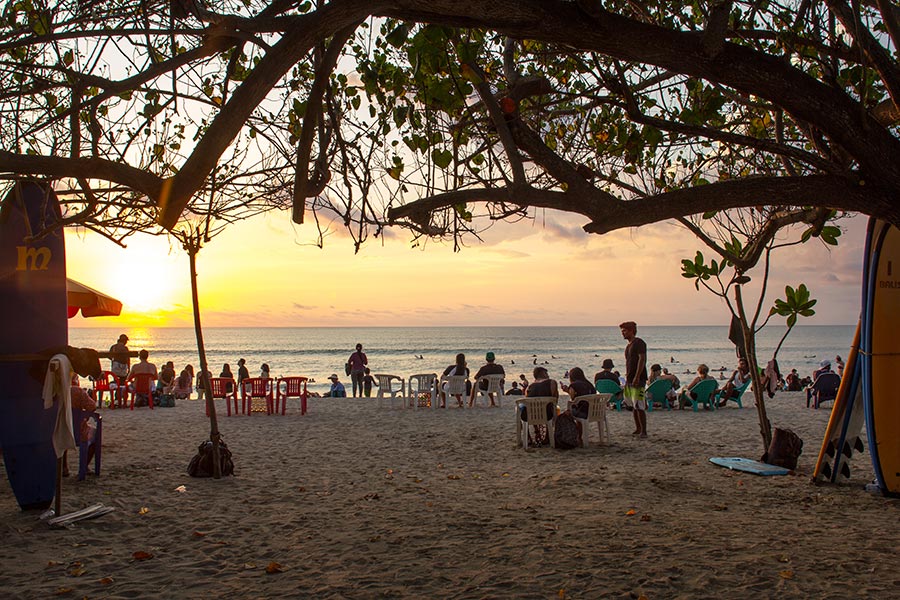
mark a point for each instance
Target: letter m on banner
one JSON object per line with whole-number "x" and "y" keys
{"x": 33, "y": 259}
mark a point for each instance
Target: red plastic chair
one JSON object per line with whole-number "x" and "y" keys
{"x": 253, "y": 388}
{"x": 290, "y": 387}
{"x": 143, "y": 384}
{"x": 102, "y": 385}
{"x": 224, "y": 387}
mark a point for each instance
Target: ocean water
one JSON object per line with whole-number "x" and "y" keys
{"x": 318, "y": 352}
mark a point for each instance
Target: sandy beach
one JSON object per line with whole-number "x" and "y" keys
{"x": 353, "y": 501}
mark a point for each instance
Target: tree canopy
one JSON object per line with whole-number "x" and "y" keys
{"x": 443, "y": 116}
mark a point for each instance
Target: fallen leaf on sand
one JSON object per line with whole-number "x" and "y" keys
{"x": 181, "y": 489}
{"x": 141, "y": 555}
{"x": 273, "y": 567}
{"x": 144, "y": 510}
{"x": 784, "y": 558}
{"x": 452, "y": 476}
{"x": 53, "y": 563}
{"x": 786, "y": 574}
{"x": 561, "y": 593}
{"x": 643, "y": 597}
{"x": 105, "y": 581}
{"x": 249, "y": 566}
{"x": 631, "y": 513}
{"x": 63, "y": 591}
{"x": 76, "y": 571}
{"x": 505, "y": 475}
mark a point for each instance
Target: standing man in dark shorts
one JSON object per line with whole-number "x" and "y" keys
{"x": 635, "y": 375}
{"x": 120, "y": 365}
{"x": 358, "y": 362}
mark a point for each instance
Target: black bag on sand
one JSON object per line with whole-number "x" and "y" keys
{"x": 202, "y": 463}
{"x": 347, "y": 368}
{"x": 784, "y": 450}
{"x": 566, "y": 432}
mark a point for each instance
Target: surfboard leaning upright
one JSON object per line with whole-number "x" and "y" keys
{"x": 32, "y": 319}
{"x": 880, "y": 352}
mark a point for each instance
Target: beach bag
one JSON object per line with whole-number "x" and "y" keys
{"x": 202, "y": 463}
{"x": 784, "y": 450}
{"x": 347, "y": 368}
{"x": 566, "y": 434}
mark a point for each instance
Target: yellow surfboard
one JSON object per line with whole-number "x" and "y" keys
{"x": 880, "y": 353}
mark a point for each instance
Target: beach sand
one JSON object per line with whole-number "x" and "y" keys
{"x": 353, "y": 501}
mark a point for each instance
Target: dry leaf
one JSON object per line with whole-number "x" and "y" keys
{"x": 631, "y": 513}
{"x": 452, "y": 476}
{"x": 63, "y": 591}
{"x": 76, "y": 571}
{"x": 273, "y": 567}
{"x": 144, "y": 510}
{"x": 249, "y": 566}
{"x": 505, "y": 475}
{"x": 643, "y": 597}
{"x": 53, "y": 563}
{"x": 199, "y": 534}
{"x": 141, "y": 555}
{"x": 786, "y": 574}
{"x": 105, "y": 581}
{"x": 561, "y": 593}
{"x": 181, "y": 489}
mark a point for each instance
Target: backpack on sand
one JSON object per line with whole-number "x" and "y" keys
{"x": 202, "y": 463}
{"x": 566, "y": 432}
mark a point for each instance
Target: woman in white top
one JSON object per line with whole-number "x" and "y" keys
{"x": 737, "y": 380}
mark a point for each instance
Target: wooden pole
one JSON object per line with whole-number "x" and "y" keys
{"x": 192, "y": 247}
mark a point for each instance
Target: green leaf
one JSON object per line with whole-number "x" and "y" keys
{"x": 397, "y": 37}
{"x": 442, "y": 158}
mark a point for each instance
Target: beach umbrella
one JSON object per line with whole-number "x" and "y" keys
{"x": 90, "y": 302}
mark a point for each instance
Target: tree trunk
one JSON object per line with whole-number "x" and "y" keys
{"x": 765, "y": 427}
{"x": 192, "y": 250}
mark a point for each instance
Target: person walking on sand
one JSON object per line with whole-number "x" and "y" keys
{"x": 635, "y": 375}
{"x": 358, "y": 362}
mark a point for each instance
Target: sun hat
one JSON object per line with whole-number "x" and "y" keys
{"x": 333, "y": 376}
{"x": 489, "y": 357}
{"x": 607, "y": 363}
{"x": 825, "y": 363}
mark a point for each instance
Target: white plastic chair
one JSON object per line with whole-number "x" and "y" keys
{"x": 495, "y": 386}
{"x": 386, "y": 389}
{"x": 422, "y": 387}
{"x": 597, "y": 404}
{"x": 454, "y": 385}
{"x": 536, "y": 410}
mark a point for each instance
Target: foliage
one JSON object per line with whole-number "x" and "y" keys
{"x": 446, "y": 116}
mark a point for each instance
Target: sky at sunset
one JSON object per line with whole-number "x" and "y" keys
{"x": 266, "y": 272}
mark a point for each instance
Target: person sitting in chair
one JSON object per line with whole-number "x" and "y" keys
{"x": 737, "y": 380}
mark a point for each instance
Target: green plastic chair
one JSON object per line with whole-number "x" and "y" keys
{"x": 656, "y": 392}
{"x": 704, "y": 391}
{"x": 740, "y": 392}
{"x": 608, "y": 386}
